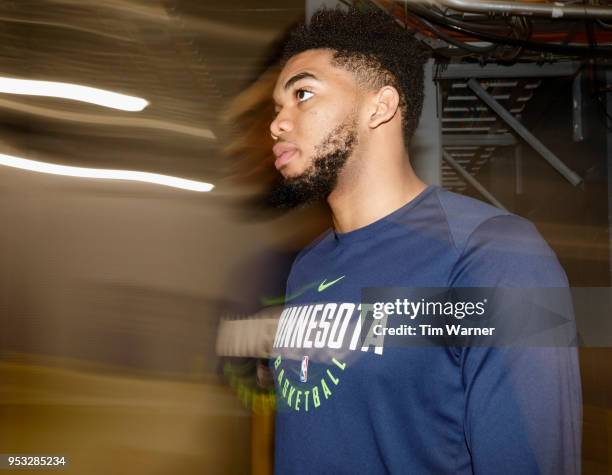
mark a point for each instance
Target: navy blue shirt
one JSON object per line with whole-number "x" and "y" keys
{"x": 347, "y": 406}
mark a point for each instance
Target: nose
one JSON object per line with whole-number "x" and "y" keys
{"x": 281, "y": 124}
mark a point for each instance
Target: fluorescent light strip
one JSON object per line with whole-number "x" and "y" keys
{"x": 108, "y": 120}
{"x": 107, "y": 174}
{"x": 73, "y": 92}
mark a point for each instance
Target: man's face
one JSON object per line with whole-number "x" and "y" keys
{"x": 316, "y": 127}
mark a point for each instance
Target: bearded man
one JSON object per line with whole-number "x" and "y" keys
{"x": 348, "y": 100}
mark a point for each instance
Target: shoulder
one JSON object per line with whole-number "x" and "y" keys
{"x": 495, "y": 247}
{"x": 474, "y": 223}
{"x": 507, "y": 250}
{"x": 464, "y": 215}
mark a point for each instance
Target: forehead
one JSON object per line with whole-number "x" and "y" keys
{"x": 317, "y": 62}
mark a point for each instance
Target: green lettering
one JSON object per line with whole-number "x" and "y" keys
{"x": 298, "y": 400}
{"x": 306, "y": 398}
{"x": 285, "y": 387}
{"x": 277, "y": 362}
{"x": 280, "y": 377}
{"x": 331, "y": 376}
{"x": 326, "y": 391}
{"x": 339, "y": 364}
{"x": 291, "y": 391}
{"x": 315, "y": 397}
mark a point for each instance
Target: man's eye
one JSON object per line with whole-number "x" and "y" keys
{"x": 301, "y": 95}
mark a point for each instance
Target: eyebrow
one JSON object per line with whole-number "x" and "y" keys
{"x": 298, "y": 77}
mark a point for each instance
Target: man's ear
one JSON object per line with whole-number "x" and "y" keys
{"x": 385, "y": 106}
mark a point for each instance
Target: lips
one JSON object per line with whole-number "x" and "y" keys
{"x": 284, "y": 152}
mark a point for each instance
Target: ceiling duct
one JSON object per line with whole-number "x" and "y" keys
{"x": 544, "y": 10}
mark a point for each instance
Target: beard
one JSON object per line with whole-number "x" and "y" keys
{"x": 320, "y": 178}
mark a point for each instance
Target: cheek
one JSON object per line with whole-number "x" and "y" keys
{"x": 314, "y": 125}
{"x": 314, "y": 128}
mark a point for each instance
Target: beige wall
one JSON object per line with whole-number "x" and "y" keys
{"x": 109, "y": 301}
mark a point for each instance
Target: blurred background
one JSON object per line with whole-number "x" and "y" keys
{"x": 113, "y": 292}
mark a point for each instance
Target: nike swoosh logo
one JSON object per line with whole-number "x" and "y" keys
{"x": 323, "y": 285}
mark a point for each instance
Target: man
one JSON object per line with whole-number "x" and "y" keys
{"x": 347, "y": 102}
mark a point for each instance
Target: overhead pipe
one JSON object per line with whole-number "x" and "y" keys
{"x": 545, "y": 10}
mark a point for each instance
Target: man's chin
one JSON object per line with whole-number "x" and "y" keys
{"x": 288, "y": 175}
{"x": 292, "y": 170}
{"x": 293, "y": 192}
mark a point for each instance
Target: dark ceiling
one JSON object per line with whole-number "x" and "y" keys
{"x": 188, "y": 58}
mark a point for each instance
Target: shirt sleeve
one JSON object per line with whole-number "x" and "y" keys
{"x": 523, "y": 408}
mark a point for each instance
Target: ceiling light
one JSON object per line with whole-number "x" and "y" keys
{"x": 73, "y": 92}
{"x": 103, "y": 173}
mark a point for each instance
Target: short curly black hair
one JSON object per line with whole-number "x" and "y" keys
{"x": 371, "y": 45}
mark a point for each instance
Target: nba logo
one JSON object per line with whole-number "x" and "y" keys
{"x": 304, "y": 370}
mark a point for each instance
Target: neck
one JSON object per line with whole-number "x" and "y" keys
{"x": 373, "y": 186}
